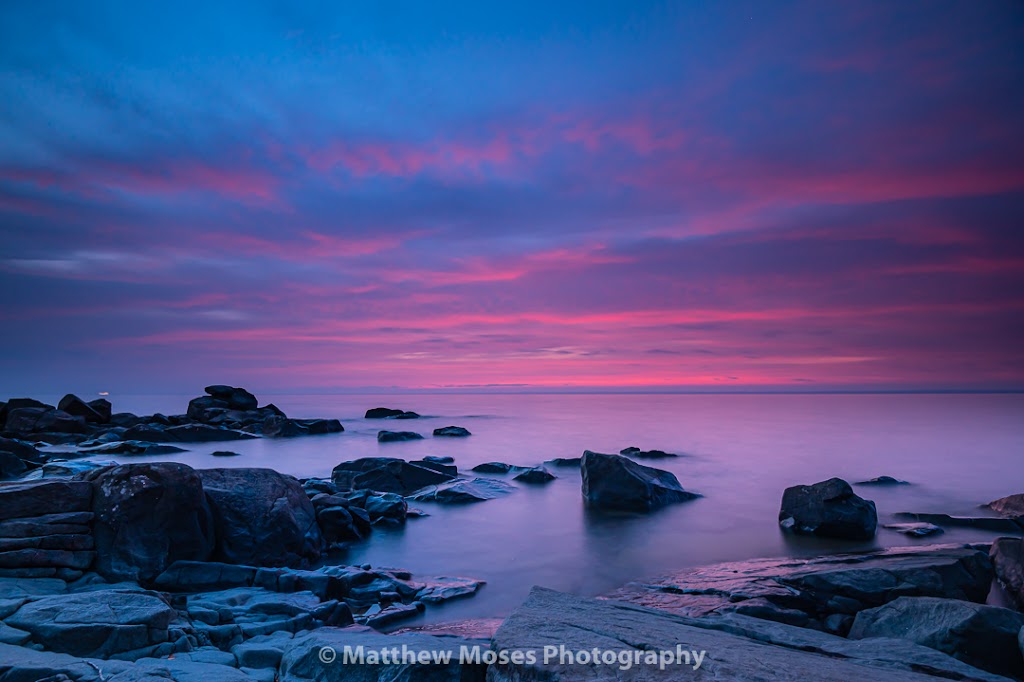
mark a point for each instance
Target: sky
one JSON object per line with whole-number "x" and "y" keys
{"x": 511, "y": 196}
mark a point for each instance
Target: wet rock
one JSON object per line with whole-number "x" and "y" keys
{"x": 382, "y": 413}
{"x": 882, "y": 480}
{"x": 11, "y": 466}
{"x": 397, "y": 436}
{"x": 339, "y": 525}
{"x": 464, "y": 491}
{"x": 439, "y": 460}
{"x": 39, "y": 420}
{"x": 224, "y": 453}
{"x": 262, "y": 518}
{"x": 319, "y": 427}
{"x": 535, "y": 475}
{"x": 22, "y": 450}
{"x": 980, "y": 635}
{"x": 991, "y": 523}
{"x": 842, "y": 584}
{"x": 77, "y": 407}
{"x": 495, "y": 468}
{"x": 125, "y": 419}
{"x": 829, "y": 509}
{"x": 386, "y": 474}
{"x": 59, "y": 524}
{"x": 393, "y": 614}
{"x": 147, "y": 517}
{"x": 452, "y": 432}
{"x": 915, "y": 530}
{"x": 131, "y": 447}
{"x": 282, "y": 427}
{"x": 99, "y": 624}
{"x": 567, "y": 462}
{"x": 36, "y": 498}
{"x": 614, "y": 482}
{"x": 202, "y": 433}
{"x": 236, "y": 398}
{"x": 1011, "y": 506}
{"x": 59, "y": 468}
{"x": 449, "y": 469}
{"x": 444, "y": 588}
{"x": 1008, "y": 561}
{"x": 646, "y": 454}
{"x": 102, "y": 407}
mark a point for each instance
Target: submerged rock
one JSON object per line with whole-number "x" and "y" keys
{"x": 992, "y": 523}
{"x": 977, "y": 634}
{"x": 646, "y": 454}
{"x": 439, "y": 460}
{"x": 397, "y": 436}
{"x": 915, "y": 530}
{"x": 131, "y": 447}
{"x": 566, "y": 462}
{"x": 464, "y": 491}
{"x": 452, "y": 432}
{"x": 882, "y": 480}
{"x": 494, "y": 468}
{"x": 386, "y": 474}
{"x": 615, "y": 482}
{"x": 830, "y": 509}
{"x": 535, "y": 475}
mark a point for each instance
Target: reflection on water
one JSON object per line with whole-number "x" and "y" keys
{"x": 741, "y": 451}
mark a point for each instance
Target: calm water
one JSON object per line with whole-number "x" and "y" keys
{"x": 740, "y": 451}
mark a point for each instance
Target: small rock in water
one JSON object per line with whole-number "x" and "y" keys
{"x": 452, "y": 432}
{"x": 646, "y": 454}
{"x": 224, "y": 453}
{"x": 882, "y": 480}
{"x": 915, "y": 530}
{"x": 493, "y": 468}
{"x": 565, "y": 462}
{"x": 397, "y": 436}
{"x": 382, "y": 413}
{"x": 828, "y": 509}
{"x": 439, "y": 459}
{"x": 464, "y": 491}
{"x": 614, "y": 482}
{"x": 538, "y": 474}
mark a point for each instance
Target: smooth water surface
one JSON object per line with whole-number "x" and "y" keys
{"x": 739, "y": 451}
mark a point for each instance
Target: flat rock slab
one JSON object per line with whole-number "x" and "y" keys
{"x": 464, "y": 491}
{"x": 819, "y": 587}
{"x": 554, "y": 619}
{"x": 21, "y": 500}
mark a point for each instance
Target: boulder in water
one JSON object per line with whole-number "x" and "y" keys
{"x": 452, "y": 432}
{"x": 614, "y": 482}
{"x": 829, "y": 509}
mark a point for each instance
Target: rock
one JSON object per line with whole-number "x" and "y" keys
{"x": 301, "y": 661}
{"x": 31, "y": 420}
{"x": 1011, "y": 506}
{"x": 205, "y": 408}
{"x": 102, "y": 407}
{"x": 282, "y": 427}
{"x": 125, "y": 419}
{"x": 464, "y": 491}
{"x": 535, "y": 475}
{"x": 382, "y": 413}
{"x": 445, "y": 588}
{"x": 394, "y": 613}
{"x": 386, "y": 507}
{"x": 495, "y": 468}
{"x": 338, "y": 525}
{"x": 229, "y": 616}
{"x": 397, "y": 436}
{"x": 980, "y": 635}
{"x": 452, "y": 432}
{"x": 998, "y": 525}
{"x": 882, "y": 480}
{"x": 147, "y": 517}
{"x": 318, "y": 427}
{"x": 915, "y": 530}
{"x": 439, "y": 460}
{"x": 449, "y": 469}
{"x": 386, "y": 474}
{"x": 646, "y": 454}
{"x": 1008, "y": 561}
{"x": 77, "y": 407}
{"x": 820, "y": 587}
{"x": 829, "y": 509}
{"x": 567, "y": 462}
{"x": 68, "y": 468}
{"x": 26, "y": 452}
{"x": 224, "y": 453}
{"x": 236, "y": 398}
{"x": 19, "y": 500}
{"x": 131, "y": 447}
{"x": 614, "y": 482}
{"x": 262, "y": 518}
{"x": 11, "y": 466}
{"x": 716, "y": 648}
{"x": 100, "y": 623}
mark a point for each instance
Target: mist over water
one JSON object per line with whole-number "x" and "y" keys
{"x": 739, "y": 451}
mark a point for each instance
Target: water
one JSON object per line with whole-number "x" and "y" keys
{"x": 740, "y": 451}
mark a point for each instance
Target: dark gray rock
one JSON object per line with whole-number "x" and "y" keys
{"x": 77, "y": 407}
{"x": 452, "y": 432}
{"x": 915, "y": 530}
{"x": 386, "y": 474}
{"x": 147, "y": 517}
{"x": 382, "y": 413}
{"x": 439, "y": 459}
{"x": 566, "y": 462}
{"x": 36, "y": 498}
{"x": 22, "y": 450}
{"x": 236, "y": 398}
{"x": 1008, "y": 561}
{"x": 262, "y": 518}
{"x": 224, "y": 453}
{"x": 495, "y": 468}
{"x": 464, "y": 491}
{"x": 445, "y": 588}
{"x": 550, "y": 618}
{"x": 449, "y": 469}
{"x": 102, "y": 407}
{"x": 990, "y": 523}
{"x": 319, "y": 427}
{"x": 69, "y": 523}
{"x": 38, "y": 420}
{"x": 646, "y": 454}
{"x": 977, "y": 634}
{"x": 882, "y": 480}
{"x": 202, "y": 433}
{"x": 397, "y": 436}
{"x": 829, "y": 509}
{"x": 843, "y": 584}
{"x": 614, "y": 482}
{"x": 131, "y": 447}
{"x": 535, "y": 475}
{"x": 282, "y": 427}
{"x": 11, "y": 466}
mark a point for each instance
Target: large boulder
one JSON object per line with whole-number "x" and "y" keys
{"x": 382, "y": 413}
{"x": 236, "y": 398}
{"x": 77, "y": 407}
{"x": 11, "y": 466}
{"x": 147, "y": 517}
{"x": 981, "y": 635}
{"x": 1008, "y": 561}
{"x": 452, "y": 432}
{"x": 263, "y": 518}
{"x": 28, "y": 420}
{"x": 99, "y": 623}
{"x": 617, "y": 483}
{"x": 1011, "y": 506}
{"x": 386, "y": 475}
{"x": 829, "y": 509}
{"x": 397, "y": 436}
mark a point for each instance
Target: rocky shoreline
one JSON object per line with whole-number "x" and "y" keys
{"x": 158, "y": 571}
